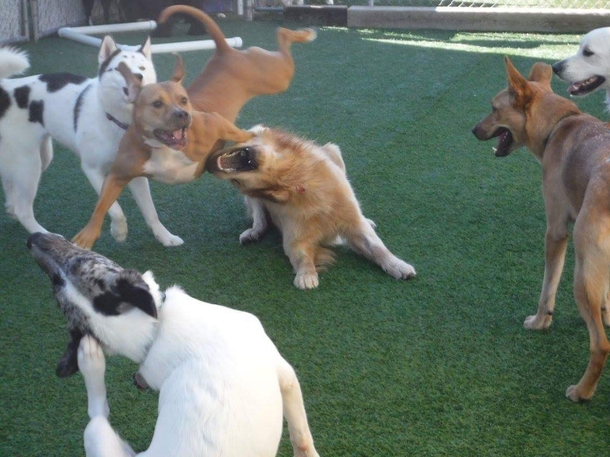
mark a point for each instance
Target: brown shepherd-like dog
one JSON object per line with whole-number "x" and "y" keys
{"x": 574, "y": 150}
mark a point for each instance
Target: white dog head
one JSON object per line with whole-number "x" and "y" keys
{"x": 588, "y": 69}
{"x": 115, "y": 305}
{"x": 113, "y": 88}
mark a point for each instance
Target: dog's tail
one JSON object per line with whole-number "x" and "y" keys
{"x": 12, "y": 62}
{"x": 211, "y": 26}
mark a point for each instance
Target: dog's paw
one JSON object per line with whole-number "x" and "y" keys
{"x": 250, "y": 236}
{"x": 537, "y": 322}
{"x": 118, "y": 229}
{"x": 371, "y": 222}
{"x": 86, "y": 238}
{"x": 399, "y": 269}
{"x": 306, "y": 281}
{"x": 91, "y": 360}
{"x": 574, "y": 394}
{"x": 171, "y": 241}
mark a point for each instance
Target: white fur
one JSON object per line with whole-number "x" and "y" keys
{"x": 26, "y": 148}
{"x": 223, "y": 384}
{"x": 580, "y": 67}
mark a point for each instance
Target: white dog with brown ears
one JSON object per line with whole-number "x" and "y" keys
{"x": 87, "y": 115}
{"x": 224, "y": 386}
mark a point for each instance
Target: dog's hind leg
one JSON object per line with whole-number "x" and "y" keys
{"x": 591, "y": 285}
{"x": 260, "y": 222}
{"x": 366, "y": 242}
{"x": 294, "y": 411}
{"x": 100, "y": 439}
{"x": 20, "y": 177}
{"x": 555, "y": 244}
{"x": 140, "y": 188}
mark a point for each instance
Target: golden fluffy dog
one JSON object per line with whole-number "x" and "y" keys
{"x": 574, "y": 150}
{"x": 303, "y": 188}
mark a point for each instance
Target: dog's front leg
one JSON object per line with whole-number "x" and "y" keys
{"x": 140, "y": 189}
{"x": 113, "y": 186}
{"x": 302, "y": 257}
{"x": 555, "y": 244}
{"x": 294, "y": 411}
{"x": 100, "y": 439}
{"x": 260, "y": 224}
{"x": 118, "y": 226}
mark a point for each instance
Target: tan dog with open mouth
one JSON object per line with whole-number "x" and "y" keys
{"x": 304, "y": 189}
{"x": 574, "y": 150}
{"x": 168, "y": 141}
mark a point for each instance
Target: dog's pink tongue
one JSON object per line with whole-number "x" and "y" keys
{"x": 178, "y": 134}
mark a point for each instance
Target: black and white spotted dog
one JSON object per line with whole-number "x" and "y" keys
{"x": 224, "y": 386}
{"x": 87, "y": 115}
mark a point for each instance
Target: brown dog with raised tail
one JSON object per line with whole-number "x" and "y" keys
{"x": 168, "y": 141}
{"x": 574, "y": 150}
{"x": 231, "y": 77}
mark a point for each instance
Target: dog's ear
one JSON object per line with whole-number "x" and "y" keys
{"x": 146, "y": 49}
{"x": 517, "y": 84}
{"x": 541, "y": 73}
{"x": 179, "y": 71}
{"x": 127, "y": 290}
{"x": 136, "y": 293}
{"x": 107, "y": 48}
{"x": 134, "y": 85}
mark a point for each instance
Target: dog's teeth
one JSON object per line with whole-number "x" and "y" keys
{"x": 494, "y": 149}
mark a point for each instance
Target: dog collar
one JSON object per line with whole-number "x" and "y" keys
{"x": 110, "y": 117}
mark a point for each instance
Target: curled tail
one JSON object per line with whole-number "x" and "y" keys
{"x": 12, "y": 62}
{"x": 207, "y": 21}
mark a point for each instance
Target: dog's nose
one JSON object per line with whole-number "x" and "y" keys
{"x": 32, "y": 239}
{"x": 139, "y": 76}
{"x": 181, "y": 114}
{"x": 558, "y": 67}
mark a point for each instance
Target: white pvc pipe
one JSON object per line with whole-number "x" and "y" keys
{"x": 112, "y": 28}
{"x": 80, "y": 34}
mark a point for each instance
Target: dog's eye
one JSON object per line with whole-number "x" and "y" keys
{"x": 184, "y": 100}
{"x": 142, "y": 68}
{"x": 235, "y": 182}
{"x": 587, "y": 52}
{"x": 157, "y": 104}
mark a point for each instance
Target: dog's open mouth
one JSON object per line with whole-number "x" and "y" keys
{"x": 175, "y": 140}
{"x": 237, "y": 160}
{"x": 586, "y": 86}
{"x": 505, "y": 141}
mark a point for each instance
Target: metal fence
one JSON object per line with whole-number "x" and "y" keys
{"x": 14, "y": 23}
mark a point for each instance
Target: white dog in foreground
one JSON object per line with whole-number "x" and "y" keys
{"x": 223, "y": 384}
{"x": 589, "y": 69}
{"x": 87, "y": 115}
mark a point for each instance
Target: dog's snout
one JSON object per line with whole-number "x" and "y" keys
{"x": 558, "y": 67}
{"x": 139, "y": 76}
{"x": 32, "y": 239}
{"x": 181, "y": 114}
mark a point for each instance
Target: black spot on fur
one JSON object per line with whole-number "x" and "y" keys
{"x": 106, "y": 62}
{"x": 58, "y": 281}
{"x": 5, "y": 102}
{"x": 107, "y": 304}
{"x": 57, "y": 81}
{"x": 22, "y": 96}
{"x": 36, "y": 110}
{"x": 79, "y": 103}
{"x": 138, "y": 295}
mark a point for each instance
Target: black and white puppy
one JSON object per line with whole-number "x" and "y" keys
{"x": 223, "y": 383}
{"x": 87, "y": 115}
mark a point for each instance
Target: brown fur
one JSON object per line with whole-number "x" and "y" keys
{"x": 303, "y": 188}
{"x": 141, "y": 153}
{"x": 231, "y": 77}
{"x": 574, "y": 150}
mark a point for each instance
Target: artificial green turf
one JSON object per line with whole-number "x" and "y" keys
{"x": 439, "y": 365}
